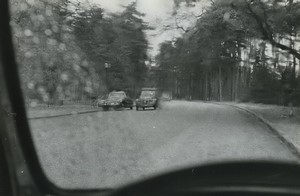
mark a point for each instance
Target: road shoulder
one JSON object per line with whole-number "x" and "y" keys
{"x": 278, "y": 119}
{"x": 43, "y": 111}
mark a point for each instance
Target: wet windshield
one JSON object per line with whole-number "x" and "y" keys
{"x": 226, "y": 72}
{"x": 116, "y": 95}
{"x": 145, "y": 94}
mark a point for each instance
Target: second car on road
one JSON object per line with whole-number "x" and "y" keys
{"x": 115, "y": 100}
{"x": 148, "y": 98}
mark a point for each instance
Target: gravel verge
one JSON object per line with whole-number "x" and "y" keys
{"x": 41, "y": 112}
{"x": 283, "y": 121}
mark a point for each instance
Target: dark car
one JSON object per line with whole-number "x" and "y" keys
{"x": 115, "y": 100}
{"x": 148, "y": 98}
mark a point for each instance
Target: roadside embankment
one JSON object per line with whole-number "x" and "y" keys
{"x": 283, "y": 121}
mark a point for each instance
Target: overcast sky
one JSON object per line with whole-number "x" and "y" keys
{"x": 152, "y": 8}
{"x": 158, "y": 13}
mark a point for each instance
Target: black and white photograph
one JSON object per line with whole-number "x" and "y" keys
{"x": 149, "y": 97}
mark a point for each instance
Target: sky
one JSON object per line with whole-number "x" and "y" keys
{"x": 158, "y": 13}
{"x": 152, "y": 8}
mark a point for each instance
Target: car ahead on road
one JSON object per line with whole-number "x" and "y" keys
{"x": 166, "y": 96}
{"x": 148, "y": 98}
{"x": 115, "y": 100}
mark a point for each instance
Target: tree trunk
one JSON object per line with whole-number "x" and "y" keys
{"x": 220, "y": 83}
{"x": 192, "y": 87}
{"x": 232, "y": 83}
{"x": 294, "y": 65}
{"x": 249, "y": 77}
{"x": 237, "y": 78}
{"x": 209, "y": 87}
{"x": 236, "y": 84}
{"x": 299, "y": 67}
{"x": 206, "y": 87}
{"x": 294, "y": 68}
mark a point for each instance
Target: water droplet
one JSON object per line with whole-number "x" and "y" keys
{"x": 23, "y": 6}
{"x": 48, "y": 32}
{"x": 30, "y": 85}
{"x": 41, "y": 90}
{"x": 28, "y": 32}
{"x": 28, "y": 54}
{"x": 36, "y": 40}
{"x": 33, "y": 104}
{"x": 75, "y": 56}
{"x": 88, "y": 83}
{"x": 45, "y": 98}
{"x": 76, "y": 67}
{"x": 64, "y": 77}
{"x": 65, "y": 28}
{"x": 66, "y": 36}
{"x": 62, "y": 46}
{"x": 31, "y": 2}
{"x": 85, "y": 63}
{"x": 55, "y": 28}
{"x": 48, "y": 12}
{"x": 52, "y": 42}
{"x": 88, "y": 89}
{"x": 41, "y": 18}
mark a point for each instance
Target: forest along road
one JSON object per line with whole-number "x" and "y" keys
{"x": 107, "y": 149}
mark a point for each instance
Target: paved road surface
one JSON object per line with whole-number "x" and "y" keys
{"x": 108, "y": 149}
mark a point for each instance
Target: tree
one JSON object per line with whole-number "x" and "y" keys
{"x": 228, "y": 51}
{"x": 118, "y": 40}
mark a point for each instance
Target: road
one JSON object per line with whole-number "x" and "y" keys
{"x": 108, "y": 149}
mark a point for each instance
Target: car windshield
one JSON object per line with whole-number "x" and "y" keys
{"x": 116, "y": 95}
{"x": 103, "y": 97}
{"x": 145, "y": 94}
{"x": 226, "y": 77}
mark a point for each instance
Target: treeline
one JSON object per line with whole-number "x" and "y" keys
{"x": 239, "y": 50}
{"x": 68, "y": 50}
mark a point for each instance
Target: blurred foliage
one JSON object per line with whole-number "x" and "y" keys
{"x": 63, "y": 47}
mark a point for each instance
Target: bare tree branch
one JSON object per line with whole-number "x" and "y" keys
{"x": 180, "y": 27}
{"x": 268, "y": 35}
{"x": 201, "y": 14}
